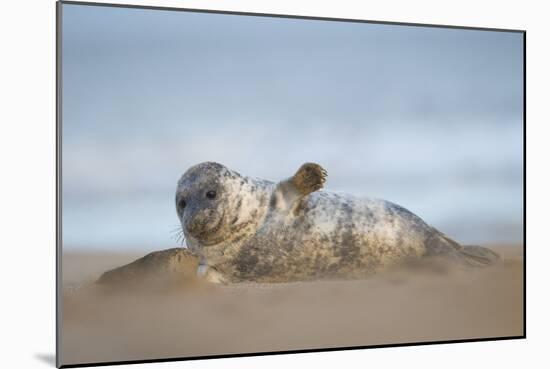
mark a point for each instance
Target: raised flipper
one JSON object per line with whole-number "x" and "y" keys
{"x": 309, "y": 178}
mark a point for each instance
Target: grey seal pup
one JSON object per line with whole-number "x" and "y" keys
{"x": 246, "y": 229}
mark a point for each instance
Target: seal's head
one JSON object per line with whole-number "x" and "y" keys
{"x": 200, "y": 201}
{"x": 213, "y": 204}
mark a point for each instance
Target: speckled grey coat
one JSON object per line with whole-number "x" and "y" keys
{"x": 247, "y": 229}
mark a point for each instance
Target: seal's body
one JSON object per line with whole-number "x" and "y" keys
{"x": 247, "y": 229}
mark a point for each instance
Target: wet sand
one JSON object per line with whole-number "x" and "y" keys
{"x": 403, "y": 305}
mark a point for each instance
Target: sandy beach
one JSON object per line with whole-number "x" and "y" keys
{"x": 398, "y": 306}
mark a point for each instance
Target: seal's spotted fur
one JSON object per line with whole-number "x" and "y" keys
{"x": 247, "y": 229}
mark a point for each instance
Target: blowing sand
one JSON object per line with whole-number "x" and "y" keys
{"x": 406, "y": 305}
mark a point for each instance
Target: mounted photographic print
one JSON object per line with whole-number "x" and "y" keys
{"x": 240, "y": 184}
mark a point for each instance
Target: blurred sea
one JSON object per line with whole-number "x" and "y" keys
{"x": 428, "y": 118}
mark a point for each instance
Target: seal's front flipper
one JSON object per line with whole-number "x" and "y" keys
{"x": 309, "y": 178}
{"x": 210, "y": 274}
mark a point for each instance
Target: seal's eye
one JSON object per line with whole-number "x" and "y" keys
{"x": 181, "y": 204}
{"x": 211, "y": 194}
